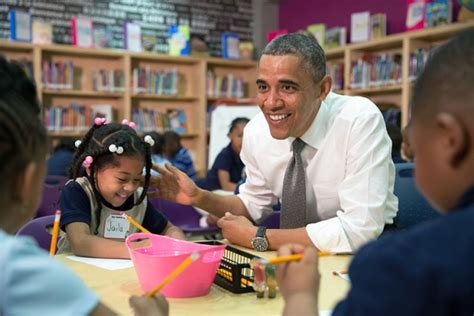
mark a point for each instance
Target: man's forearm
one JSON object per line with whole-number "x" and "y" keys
{"x": 218, "y": 205}
{"x": 279, "y": 237}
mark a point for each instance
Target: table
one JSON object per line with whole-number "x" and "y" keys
{"x": 115, "y": 287}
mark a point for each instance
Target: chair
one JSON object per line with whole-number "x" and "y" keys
{"x": 413, "y": 207}
{"x": 183, "y": 216}
{"x": 38, "y": 228}
{"x": 51, "y": 194}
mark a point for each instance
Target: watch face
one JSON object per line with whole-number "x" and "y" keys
{"x": 260, "y": 244}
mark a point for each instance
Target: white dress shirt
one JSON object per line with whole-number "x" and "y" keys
{"x": 350, "y": 173}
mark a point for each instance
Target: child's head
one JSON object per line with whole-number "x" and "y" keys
{"x": 65, "y": 143}
{"x": 22, "y": 147}
{"x": 113, "y": 156}
{"x": 159, "y": 143}
{"x": 396, "y": 136}
{"x": 236, "y": 133}
{"x": 172, "y": 143}
{"x": 442, "y": 134}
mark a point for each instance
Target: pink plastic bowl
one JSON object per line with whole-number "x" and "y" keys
{"x": 154, "y": 263}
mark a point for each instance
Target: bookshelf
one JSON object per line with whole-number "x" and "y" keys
{"x": 400, "y": 49}
{"x": 73, "y": 82}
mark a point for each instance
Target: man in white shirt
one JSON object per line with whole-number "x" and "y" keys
{"x": 346, "y": 158}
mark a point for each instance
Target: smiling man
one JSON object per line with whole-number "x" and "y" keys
{"x": 326, "y": 157}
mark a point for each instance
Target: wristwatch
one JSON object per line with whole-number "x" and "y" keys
{"x": 259, "y": 242}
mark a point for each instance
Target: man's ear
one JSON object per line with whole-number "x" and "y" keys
{"x": 25, "y": 183}
{"x": 326, "y": 84}
{"x": 455, "y": 138}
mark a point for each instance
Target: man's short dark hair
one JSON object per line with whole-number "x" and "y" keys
{"x": 307, "y": 48}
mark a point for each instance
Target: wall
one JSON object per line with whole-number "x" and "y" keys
{"x": 297, "y": 14}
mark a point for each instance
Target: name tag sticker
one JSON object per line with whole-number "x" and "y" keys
{"x": 116, "y": 226}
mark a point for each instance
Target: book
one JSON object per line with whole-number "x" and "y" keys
{"x": 230, "y": 45}
{"x": 148, "y": 42}
{"x": 20, "y": 26}
{"x": 42, "y": 32}
{"x": 318, "y": 31}
{"x": 415, "y": 15}
{"x": 335, "y": 37}
{"x": 274, "y": 34}
{"x": 360, "y": 27}
{"x": 438, "y": 12}
{"x": 178, "y": 40}
{"x": 82, "y": 34}
{"x": 103, "y": 35}
{"x": 378, "y": 25}
{"x": 132, "y": 37}
{"x": 177, "y": 121}
{"x": 246, "y": 50}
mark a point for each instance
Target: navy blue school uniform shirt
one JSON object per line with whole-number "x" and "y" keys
{"x": 227, "y": 160}
{"x": 75, "y": 207}
{"x": 60, "y": 162}
{"x": 428, "y": 270}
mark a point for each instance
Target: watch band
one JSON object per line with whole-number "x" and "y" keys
{"x": 261, "y": 230}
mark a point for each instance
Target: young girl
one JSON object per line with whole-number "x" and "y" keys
{"x": 112, "y": 156}
{"x": 32, "y": 282}
{"x": 227, "y": 169}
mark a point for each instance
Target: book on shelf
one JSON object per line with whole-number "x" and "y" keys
{"x": 179, "y": 40}
{"x": 20, "y": 26}
{"x": 415, "y": 14}
{"x": 417, "y": 61}
{"x": 318, "y": 31}
{"x": 228, "y": 86}
{"x": 335, "y": 37}
{"x": 103, "y": 35}
{"x": 246, "y": 50}
{"x": 273, "y": 34}
{"x": 376, "y": 70}
{"x": 336, "y": 71}
{"x": 230, "y": 45}
{"x": 149, "y": 42}
{"x": 157, "y": 82}
{"x": 71, "y": 118}
{"x": 132, "y": 37}
{"x": 360, "y": 27}
{"x": 378, "y": 25}
{"x": 108, "y": 80}
{"x": 438, "y": 12}
{"x": 177, "y": 120}
{"x": 42, "y": 32}
{"x": 82, "y": 31}
{"x": 58, "y": 75}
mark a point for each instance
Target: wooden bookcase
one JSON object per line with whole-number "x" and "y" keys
{"x": 402, "y": 44}
{"x": 190, "y": 96}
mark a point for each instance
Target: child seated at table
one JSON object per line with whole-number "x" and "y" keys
{"x": 427, "y": 270}
{"x": 31, "y": 282}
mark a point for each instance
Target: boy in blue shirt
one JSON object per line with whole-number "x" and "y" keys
{"x": 178, "y": 155}
{"x": 428, "y": 270}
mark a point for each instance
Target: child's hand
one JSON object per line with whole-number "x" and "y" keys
{"x": 143, "y": 305}
{"x": 173, "y": 184}
{"x": 298, "y": 278}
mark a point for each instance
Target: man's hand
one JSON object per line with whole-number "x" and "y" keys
{"x": 238, "y": 230}
{"x": 173, "y": 185}
{"x": 299, "y": 281}
{"x": 143, "y": 305}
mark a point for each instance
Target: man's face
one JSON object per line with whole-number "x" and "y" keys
{"x": 287, "y": 95}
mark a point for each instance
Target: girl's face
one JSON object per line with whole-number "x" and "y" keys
{"x": 236, "y": 137}
{"x": 117, "y": 183}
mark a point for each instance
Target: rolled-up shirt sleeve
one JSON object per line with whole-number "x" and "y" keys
{"x": 364, "y": 192}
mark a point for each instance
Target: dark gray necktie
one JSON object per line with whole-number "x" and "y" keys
{"x": 293, "y": 200}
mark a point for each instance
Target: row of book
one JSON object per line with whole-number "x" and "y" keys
{"x": 336, "y": 71}
{"x": 58, "y": 75}
{"x": 228, "y": 86}
{"x": 148, "y": 120}
{"x": 75, "y": 117}
{"x": 108, "y": 80}
{"x": 157, "y": 82}
{"x": 376, "y": 70}
{"x": 417, "y": 62}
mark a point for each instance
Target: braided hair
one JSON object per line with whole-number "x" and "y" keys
{"x": 23, "y": 137}
{"x": 96, "y": 144}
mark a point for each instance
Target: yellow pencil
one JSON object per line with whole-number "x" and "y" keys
{"x": 54, "y": 234}
{"x": 183, "y": 265}
{"x": 135, "y": 223}
{"x": 293, "y": 257}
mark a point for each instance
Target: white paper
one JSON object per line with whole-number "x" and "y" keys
{"x": 108, "y": 264}
{"x": 326, "y": 312}
{"x": 344, "y": 276}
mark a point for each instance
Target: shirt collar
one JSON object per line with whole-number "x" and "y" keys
{"x": 316, "y": 133}
{"x": 466, "y": 199}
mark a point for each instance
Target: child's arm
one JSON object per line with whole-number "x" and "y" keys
{"x": 299, "y": 281}
{"x": 173, "y": 231}
{"x": 224, "y": 180}
{"x": 85, "y": 244}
